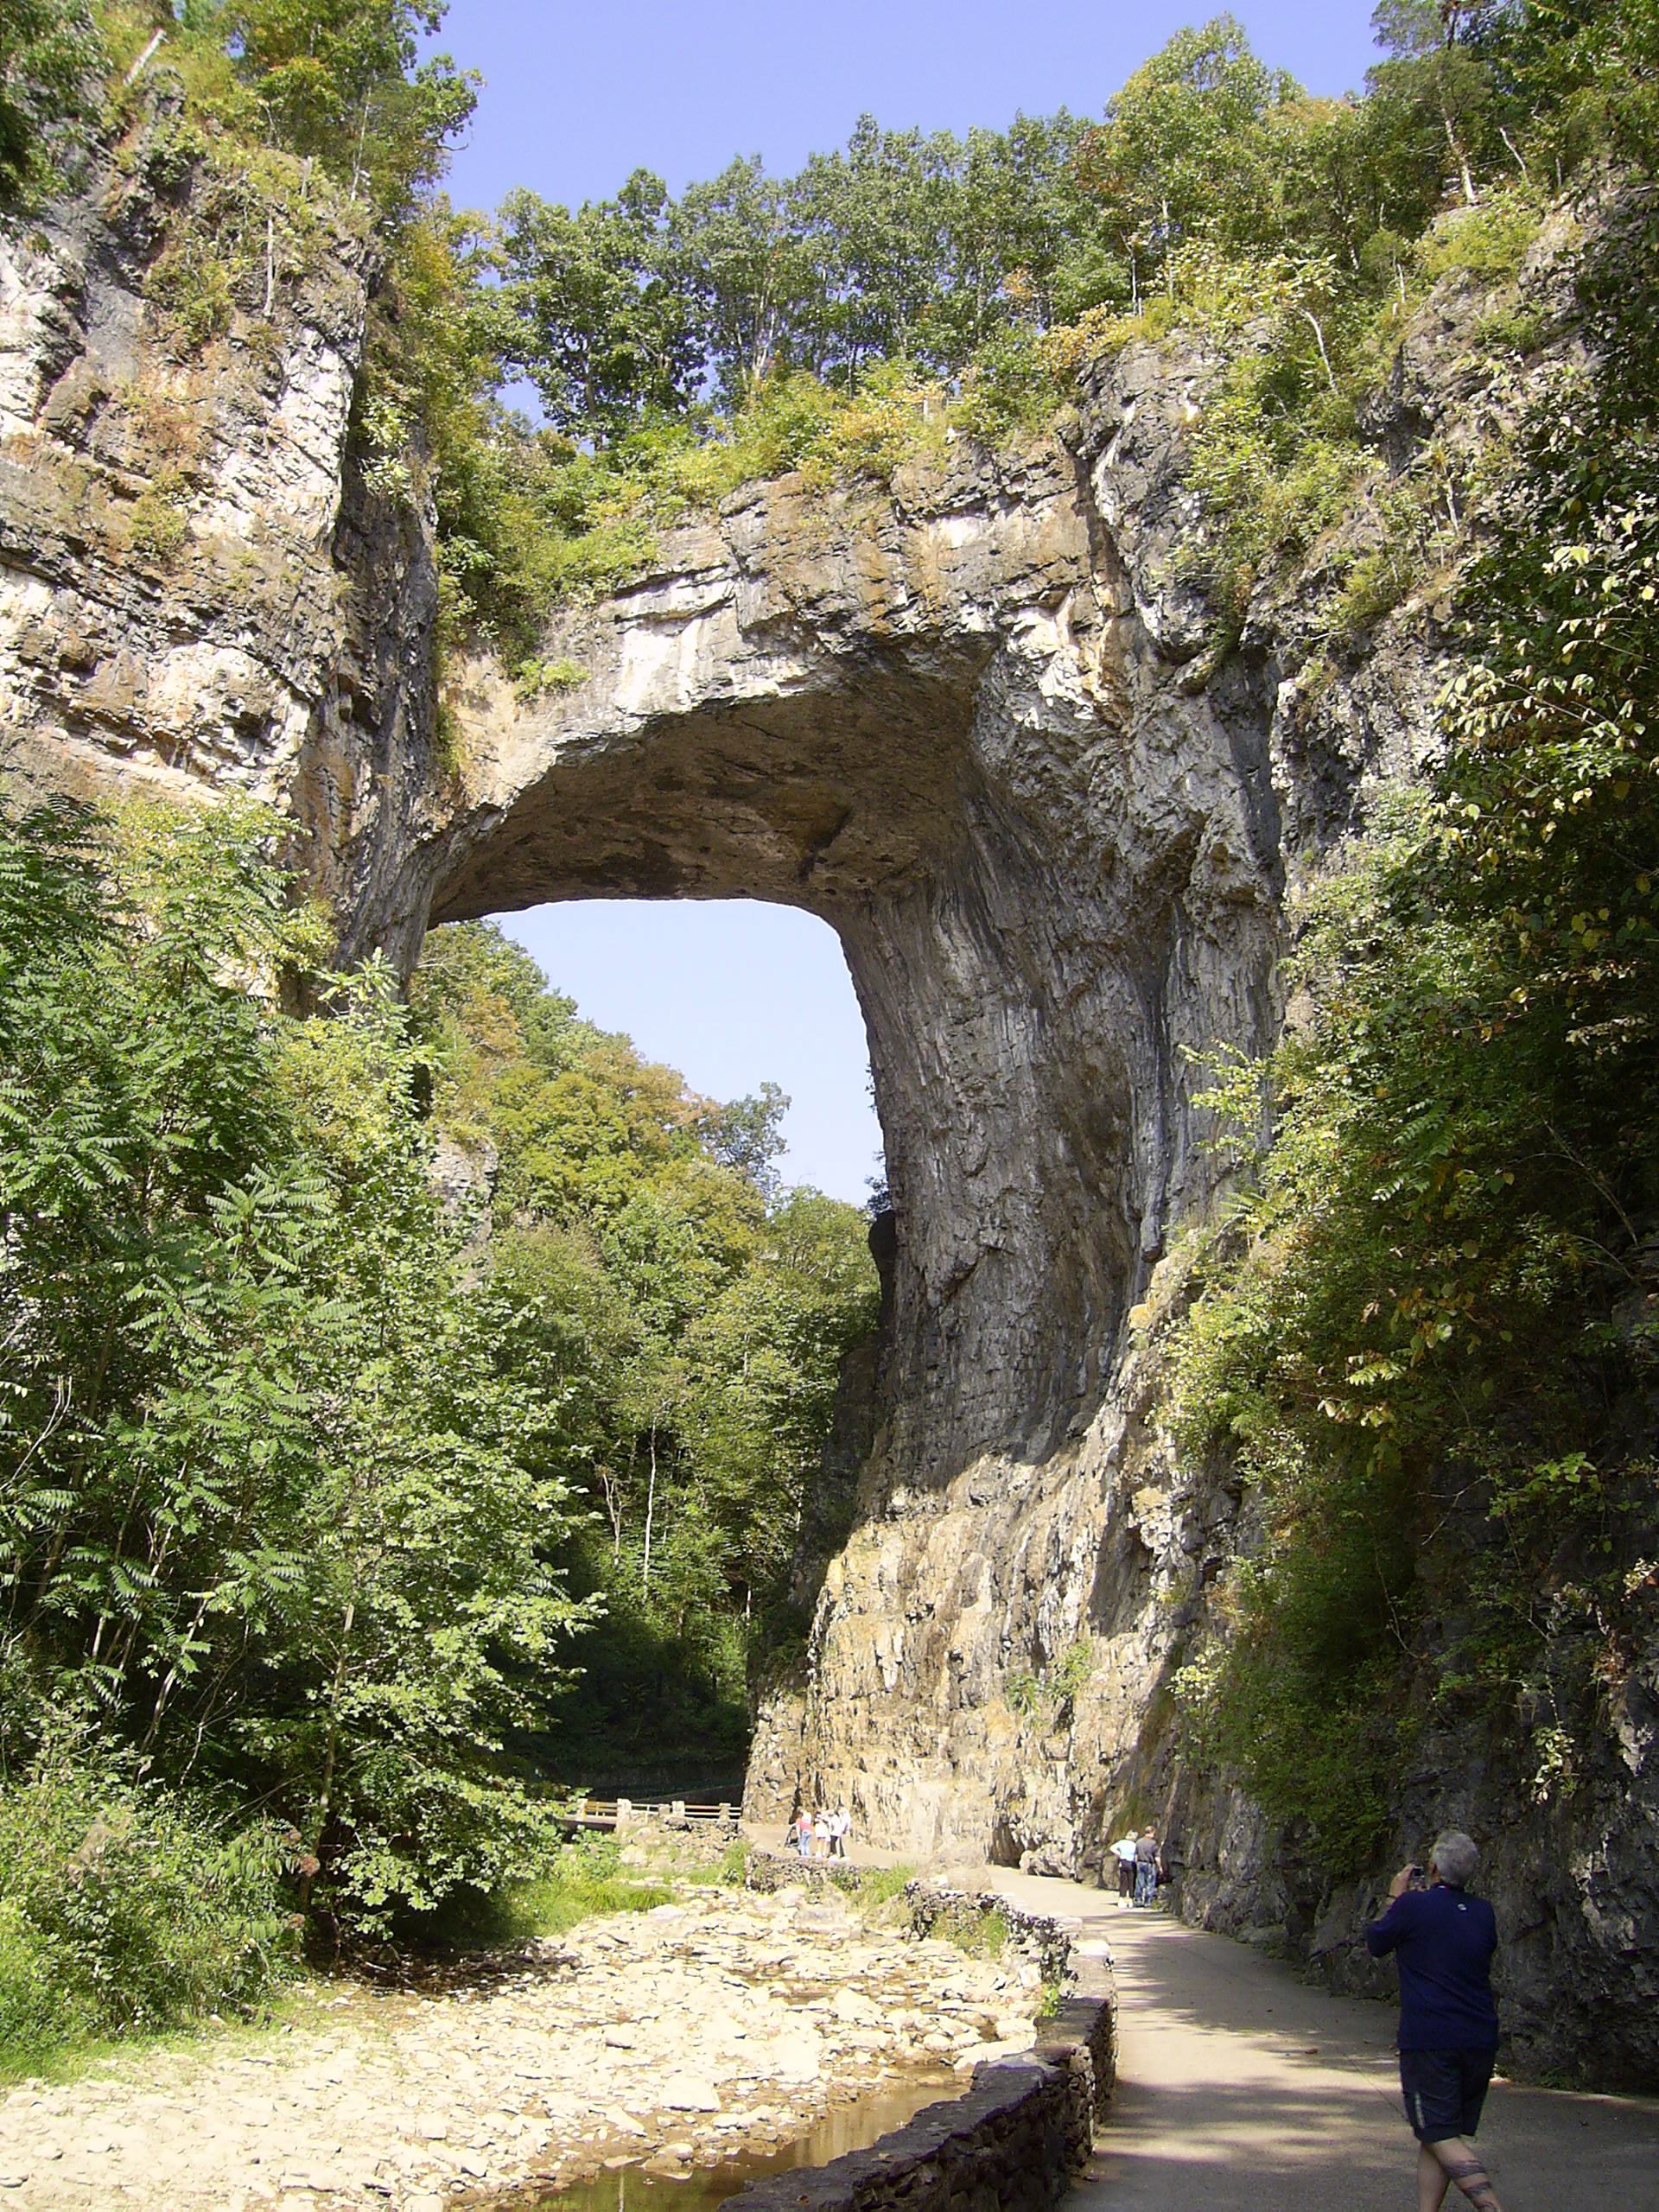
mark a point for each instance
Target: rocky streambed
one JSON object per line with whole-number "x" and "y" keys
{"x": 706, "y": 2030}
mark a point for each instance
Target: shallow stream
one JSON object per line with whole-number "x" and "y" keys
{"x": 851, "y": 2126}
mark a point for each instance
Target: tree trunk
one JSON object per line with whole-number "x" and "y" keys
{"x": 170, "y": 1677}
{"x": 650, "y": 1504}
{"x": 1462, "y": 160}
{"x": 325, "y": 1800}
{"x": 362, "y": 140}
{"x": 1318, "y": 339}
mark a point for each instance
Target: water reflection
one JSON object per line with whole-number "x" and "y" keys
{"x": 851, "y": 2126}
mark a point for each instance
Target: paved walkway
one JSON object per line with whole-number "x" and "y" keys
{"x": 1241, "y": 2089}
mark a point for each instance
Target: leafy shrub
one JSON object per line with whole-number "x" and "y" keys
{"x": 533, "y": 679}
{"x": 192, "y": 284}
{"x": 157, "y": 523}
{"x": 1489, "y": 242}
{"x": 1008, "y": 386}
{"x": 1056, "y": 1687}
{"x": 127, "y": 1910}
{"x": 1021, "y": 1692}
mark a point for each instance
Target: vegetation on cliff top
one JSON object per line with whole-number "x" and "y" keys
{"x": 903, "y": 290}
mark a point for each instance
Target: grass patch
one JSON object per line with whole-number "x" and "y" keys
{"x": 879, "y": 1885}
{"x": 727, "y": 1871}
{"x": 582, "y": 1883}
{"x": 1489, "y": 242}
{"x": 127, "y": 1912}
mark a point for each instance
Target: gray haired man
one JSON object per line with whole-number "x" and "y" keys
{"x": 1444, "y": 1941}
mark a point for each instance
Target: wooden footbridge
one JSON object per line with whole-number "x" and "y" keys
{"x": 615, "y": 1815}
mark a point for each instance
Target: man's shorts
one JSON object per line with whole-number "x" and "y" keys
{"x": 1445, "y": 2091}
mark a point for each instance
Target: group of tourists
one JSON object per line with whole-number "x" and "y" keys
{"x": 1140, "y": 1867}
{"x": 822, "y": 1835}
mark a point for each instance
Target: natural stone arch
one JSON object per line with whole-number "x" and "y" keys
{"x": 981, "y": 722}
{"x": 943, "y": 723}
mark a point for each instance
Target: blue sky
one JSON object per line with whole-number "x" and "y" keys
{"x": 576, "y": 98}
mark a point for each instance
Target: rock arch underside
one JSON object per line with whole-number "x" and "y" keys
{"x": 984, "y": 723}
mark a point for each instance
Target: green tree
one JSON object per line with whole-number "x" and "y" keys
{"x": 697, "y": 1318}
{"x": 602, "y": 326}
{"x": 50, "y": 53}
{"x": 1186, "y": 150}
{"x": 269, "y": 1503}
{"x": 742, "y": 262}
{"x": 1437, "y": 77}
{"x": 342, "y": 79}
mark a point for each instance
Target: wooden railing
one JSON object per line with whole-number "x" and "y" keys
{"x": 613, "y": 1813}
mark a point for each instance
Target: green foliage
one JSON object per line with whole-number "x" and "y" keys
{"x": 534, "y": 679}
{"x": 879, "y": 1885}
{"x": 1006, "y": 386}
{"x": 1053, "y": 1691}
{"x": 272, "y": 1506}
{"x": 734, "y": 1864}
{"x": 50, "y": 53}
{"x": 158, "y": 523}
{"x": 340, "y": 80}
{"x": 127, "y": 1909}
{"x": 1489, "y": 241}
{"x": 1425, "y": 1336}
{"x": 846, "y": 321}
{"x": 978, "y": 1931}
{"x": 581, "y": 1882}
{"x": 192, "y": 284}
{"x": 697, "y": 1317}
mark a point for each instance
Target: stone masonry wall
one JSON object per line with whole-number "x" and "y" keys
{"x": 1015, "y": 2142}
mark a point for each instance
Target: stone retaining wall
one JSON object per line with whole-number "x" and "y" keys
{"x": 1013, "y": 2142}
{"x": 1033, "y": 1935}
{"x": 772, "y": 1870}
{"x": 1016, "y": 2139}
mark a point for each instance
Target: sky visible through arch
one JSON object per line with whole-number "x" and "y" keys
{"x": 575, "y": 98}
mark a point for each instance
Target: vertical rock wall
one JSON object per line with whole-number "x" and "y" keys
{"x": 197, "y": 592}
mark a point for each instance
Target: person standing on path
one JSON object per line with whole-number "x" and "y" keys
{"x": 1146, "y": 1868}
{"x": 1444, "y": 1941}
{"x": 1123, "y": 1852}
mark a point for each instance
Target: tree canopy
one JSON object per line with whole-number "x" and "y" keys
{"x": 310, "y": 1495}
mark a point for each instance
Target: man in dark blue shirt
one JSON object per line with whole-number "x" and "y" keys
{"x": 1444, "y": 1941}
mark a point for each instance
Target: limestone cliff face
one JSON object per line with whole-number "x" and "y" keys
{"x": 196, "y": 590}
{"x": 985, "y": 724}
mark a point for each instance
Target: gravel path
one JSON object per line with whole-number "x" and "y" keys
{"x": 667, "y": 2038}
